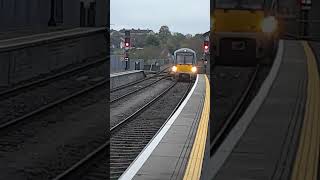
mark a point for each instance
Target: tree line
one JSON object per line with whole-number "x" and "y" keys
{"x": 164, "y": 42}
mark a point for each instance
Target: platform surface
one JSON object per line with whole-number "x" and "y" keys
{"x": 268, "y": 146}
{"x": 43, "y": 37}
{"x": 125, "y": 73}
{"x": 167, "y": 155}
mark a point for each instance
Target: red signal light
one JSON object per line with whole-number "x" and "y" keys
{"x": 127, "y": 42}
{"x": 206, "y": 46}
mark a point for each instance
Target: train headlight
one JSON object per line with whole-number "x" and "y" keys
{"x": 269, "y": 24}
{"x": 174, "y": 68}
{"x": 194, "y": 69}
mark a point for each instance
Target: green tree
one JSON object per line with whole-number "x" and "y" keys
{"x": 179, "y": 36}
{"x": 193, "y": 43}
{"x": 152, "y": 40}
{"x": 140, "y": 41}
{"x": 164, "y": 34}
{"x": 148, "y": 52}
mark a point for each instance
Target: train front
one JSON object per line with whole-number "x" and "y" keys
{"x": 184, "y": 64}
{"x": 244, "y": 31}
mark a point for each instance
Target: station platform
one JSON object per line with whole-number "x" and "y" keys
{"x": 178, "y": 149}
{"x": 43, "y": 38}
{"x": 29, "y": 57}
{"x": 125, "y": 77}
{"x": 278, "y": 135}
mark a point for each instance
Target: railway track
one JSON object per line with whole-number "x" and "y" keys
{"x": 46, "y": 106}
{"x": 51, "y": 105}
{"x": 21, "y": 102}
{"x": 63, "y": 74}
{"x": 235, "y": 113}
{"x": 17, "y": 131}
{"x": 128, "y": 90}
{"x": 160, "y": 73}
{"x": 125, "y": 137}
{"x": 21, "y": 133}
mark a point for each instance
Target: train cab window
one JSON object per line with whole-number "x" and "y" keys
{"x": 239, "y": 4}
{"x": 185, "y": 58}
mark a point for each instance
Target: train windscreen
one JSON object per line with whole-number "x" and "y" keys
{"x": 184, "y": 58}
{"x": 239, "y": 4}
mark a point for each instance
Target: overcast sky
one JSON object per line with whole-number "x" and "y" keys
{"x": 184, "y": 16}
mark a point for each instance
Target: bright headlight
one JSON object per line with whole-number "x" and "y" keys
{"x": 174, "y": 68}
{"x": 269, "y": 24}
{"x": 194, "y": 69}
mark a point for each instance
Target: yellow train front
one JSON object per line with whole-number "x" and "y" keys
{"x": 184, "y": 66}
{"x": 244, "y": 31}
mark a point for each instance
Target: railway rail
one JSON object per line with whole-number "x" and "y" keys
{"x": 49, "y": 92}
{"x": 128, "y": 90}
{"x": 160, "y": 73}
{"x": 236, "y": 111}
{"x": 52, "y": 104}
{"x": 94, "y": 167}
{"x": 48, "y": 79}
{"x": 26, "y": 131}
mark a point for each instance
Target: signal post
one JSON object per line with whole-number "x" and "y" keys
{"x": 127, "y": 45}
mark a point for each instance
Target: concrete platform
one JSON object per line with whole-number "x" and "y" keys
{"x": 178, "y": 149}
{"x": 126, "y": 77}
{"x": 43, "y": 38}
{"x": 28, "y": 57}
{"x": 268, "y": 141}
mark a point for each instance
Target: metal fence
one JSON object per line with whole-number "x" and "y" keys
{"x": 300, "y": 23}
{"x": 117, "y": 64}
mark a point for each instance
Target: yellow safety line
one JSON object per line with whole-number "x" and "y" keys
{"x": 307, "y": 158}
{"x": 193, "y": 170}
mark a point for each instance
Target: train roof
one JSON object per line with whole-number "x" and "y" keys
{"x": 184, "y": 50}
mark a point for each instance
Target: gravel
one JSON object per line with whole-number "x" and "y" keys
{"x": 32, "y": 99}
{"x": 125, "y": 107}
{"x": 51, "y": 142}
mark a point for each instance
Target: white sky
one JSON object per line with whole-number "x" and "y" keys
{"x": 184, "y": 16}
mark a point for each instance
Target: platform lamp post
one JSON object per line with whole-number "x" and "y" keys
{"x": 52, "y": 21}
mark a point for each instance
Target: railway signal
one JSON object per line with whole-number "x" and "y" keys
{"x": 127, "y": 39}
{"x": 127, "y": 45}
{"x": 206, "y": 46}
{"x": 127, "y": 42}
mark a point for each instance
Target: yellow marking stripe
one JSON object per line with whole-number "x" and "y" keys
{"x": 193, "y": 170}
{"x": 184, "y": 68}
{"x": 307, "y": 158}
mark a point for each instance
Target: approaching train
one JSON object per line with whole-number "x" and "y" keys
{"x": 184, "y": 65}
{"x": 243, "y": 31}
